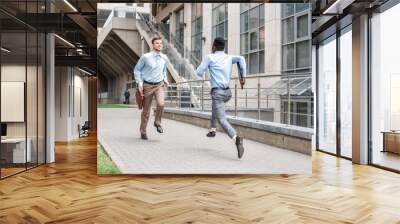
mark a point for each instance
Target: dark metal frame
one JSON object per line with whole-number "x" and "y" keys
{"x": 44, "y": 79}
{"x": 338, "y": 152}
{"x": 389, "y": 4}
{"x": 380, "y": 9}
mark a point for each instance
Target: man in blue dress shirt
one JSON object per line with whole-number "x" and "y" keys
{"x": 151, "y": 76}
{"x": 219, "y": 66}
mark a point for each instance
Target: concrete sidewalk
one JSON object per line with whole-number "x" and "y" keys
{"x": 185, "y": 149}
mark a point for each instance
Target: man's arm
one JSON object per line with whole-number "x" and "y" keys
{"x": 242, "y": 64}
{"x": 138, "y": 71}
{"x": 165, "y": 71}
{"x": 202, "y": 67}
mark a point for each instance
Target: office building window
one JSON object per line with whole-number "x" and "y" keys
{"x": 252, "y": 36}
{"x": 197, "y": 33}
{"x": 296, "y": 37}
{"x": 220, "y": 22}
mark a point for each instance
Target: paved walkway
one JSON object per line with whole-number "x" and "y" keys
{"x": 185, "y": 149}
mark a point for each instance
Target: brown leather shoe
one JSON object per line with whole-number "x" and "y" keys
{"x": 144, "y": 136}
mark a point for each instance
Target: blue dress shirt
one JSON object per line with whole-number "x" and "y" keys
{"x": 151, "y": 67}
{"x": 219, "y": 67}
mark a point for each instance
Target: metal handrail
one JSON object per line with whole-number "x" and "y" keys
{"x": 250, "y": 99}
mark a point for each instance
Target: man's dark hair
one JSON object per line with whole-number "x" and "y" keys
{"x": 219, "y": 44}
{"x": 154, "y": 39}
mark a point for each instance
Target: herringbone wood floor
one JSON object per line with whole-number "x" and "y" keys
{"x": 70, "y": 191}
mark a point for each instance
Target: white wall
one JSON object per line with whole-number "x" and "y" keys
{"x": 70, "y": 84}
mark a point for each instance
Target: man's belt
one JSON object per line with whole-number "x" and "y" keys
{"x": 152, "y": 83}
{"x": 225, "y": 88}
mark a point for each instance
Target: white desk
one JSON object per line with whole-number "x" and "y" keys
{"x": 18, "y": 151}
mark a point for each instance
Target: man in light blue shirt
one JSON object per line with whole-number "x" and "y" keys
{"x": 151, "y": 76}
{"x": 219, "y": 67}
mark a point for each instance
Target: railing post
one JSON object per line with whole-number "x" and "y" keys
{"x": 246, "y": 98}
{"x": 235, "y": 97}
{"x": 179, "y": 96}
{"x": 258, "y": 98}
{"x": 202, "y": 96}
{"x": 289, "y": 100}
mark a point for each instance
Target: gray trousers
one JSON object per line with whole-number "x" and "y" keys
{"x": 219, "y": 98}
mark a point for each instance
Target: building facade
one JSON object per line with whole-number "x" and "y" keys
{"x": 275, "y": 40}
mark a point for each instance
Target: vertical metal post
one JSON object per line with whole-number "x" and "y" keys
{"x": 179, "y": 96}
{"x": 258, "y": 98}
{"x": 289, "y": 100}
{"x": 246, "y": 99}
{"x": 235, "y": 98}
{"x": 202, "y": 96}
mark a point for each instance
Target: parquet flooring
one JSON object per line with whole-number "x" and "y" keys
{"x": 70, "y": 191}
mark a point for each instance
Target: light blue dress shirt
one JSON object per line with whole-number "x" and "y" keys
{"x": 151, "y": 67}
{"x": 219, "y": 67}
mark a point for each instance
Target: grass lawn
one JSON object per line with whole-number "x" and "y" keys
{"x": 104, "y": 105}
{"x": 104, "y": 163}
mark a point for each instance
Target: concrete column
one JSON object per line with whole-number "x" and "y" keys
{"x": 234, "y": 30}
{"x": 207, "y": 28}
{"x": 360, "y": 90}
{"x": 188, "y": 28}
{"x": 50, "y": 98}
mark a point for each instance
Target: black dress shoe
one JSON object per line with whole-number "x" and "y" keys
{"x": 211, "y": 134}
{"x": 144, "y": 136}
{"x": 159, "y": 128}
{"x": 239, "y": 146}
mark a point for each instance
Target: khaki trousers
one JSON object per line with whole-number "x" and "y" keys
{"x": 149, "y": 91}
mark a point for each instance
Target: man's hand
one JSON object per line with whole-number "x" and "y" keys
{"x": 141, "y": 91}
{"x": 242, "y": 82}
{"x": 166, "y": 83}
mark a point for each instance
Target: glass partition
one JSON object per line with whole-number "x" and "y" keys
{"x": 385, "y": 89}
{"x": 22, "y": 78}
{"x": 327, "y": 95}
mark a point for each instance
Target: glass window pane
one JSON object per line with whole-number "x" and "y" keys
{"x": 193, "y": 27}
{"x": 244, "y": 7}
{"x": 327, "y": 96}
{"x": 254, "y": 63}
{"x": 287, "y": 9}
{"x": 214, "y": 32}
{"x": 303, "y": 50}
{"x": 226, "y": 30}
{"x": 262, "y": 14}
{"x": 220, "y": 30}
{"x": 244, "y": 22}
{"x": 302, "y": 6}
{"x": 214, "y": 17}
{"x": 244, "y": 43}
{"x": 288, "y": 56}
{"x": 346, "y": 94}
{"x": 31, "y": 88}
{"x": 262, "y": 61}
{"x": 302, "y": 26}
{"x": 13, "y": 87}
{"x": 221, "y": 13}
{"x": 288, "y": 30}
{"x": 253, "y": 40}
{"x": 254, "y": 18}
{"x": 262, "y": 38}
